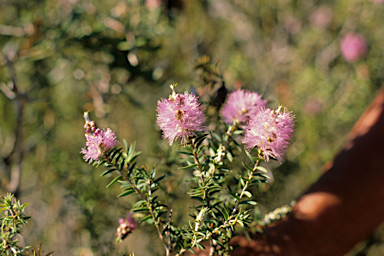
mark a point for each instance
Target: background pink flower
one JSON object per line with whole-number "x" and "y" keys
{"x": 321, "y": 17}
{"x": 97, "y": 143}
{"x": 353, "y": 47}
{"x": 179, "y": 116}
{"x": 240, "y": 105}
{"x": 270, "y": 131}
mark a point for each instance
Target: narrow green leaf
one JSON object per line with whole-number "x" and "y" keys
{"x": 248, "y": 194}
{"x": 250, "y": 157}
{"x": 107, "y": 171}
{"x": 131, "y": 152}
{"x": 262, "y": 169}
{"x": 187, "y": 167}
{"x": 140, "y": 209}
{"x": 125, "y": 144}
{"x": 217, "y": 136}
{"x": 247, "y": 167}
{"x": 185, "y": 153}
{"x": 133, "y": 156}
{"x": 153, "y": 172}
{"x": 146, "y": 218}
{"x": 113, "y": 181}
{"x": 242, "y": 181}
{"x": 238, "y": 132}
{"x": 128, "y": 192}
{"x": 248, "y": 202}
{"x": 232, "y": 194}
{"x": 200, "y": 140}
{"x": 100, "y": 163}
{"x": 159, "y": 179}
{"x": 229, "y": 156}
{"x": 131, "y": 169}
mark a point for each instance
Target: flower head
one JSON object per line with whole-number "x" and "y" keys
{"x": 179, "y": 116}
{"x": 353, "y": 47}
{"x": 240, "y": 105}
{"x": 98, "y": 141}
{"x": 126, "y": 226}
{"x": 270, "y": 131}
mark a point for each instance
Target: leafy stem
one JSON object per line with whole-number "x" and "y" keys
{"x": 142, "y": 195}
{"x": 251, "y": 174}
{"x": 196, "y": 158}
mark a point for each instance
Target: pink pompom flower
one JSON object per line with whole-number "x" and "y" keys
{"x": 353, "y": 47}
{"x": 126, "y": 226}
{"x": 240, "y": 105}
{"x": 270, "y": 132}
{"x": 180, "y": 116}
{"x": 98, "y": 141}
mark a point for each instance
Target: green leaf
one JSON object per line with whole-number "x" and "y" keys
{"x": 153, "y": 172}
{"x": 262, "y": 169}
{"x": 127, "y": 192}
{"x": 248, "y": 194}
{"x": 140, "y": 209}
{"x": 185, "y": 153}
{"x": 125, "y": 144}
{"x": 200, "y": 140}
{"x": 113, "y": 181}
{"x": 159, "y": 179}
{"x": 146, "y": 218}
{"x": 114, "y": 152}
{"x": 248, "y": 202}
{"x": 224, "y": 212}
{"x": 132, "y": 148}
{"x": 187, "y": 167}
{"x": 107, "y": 171}
{"x": 250, "y": 157}
{"x": 231, "y": 193}
{"x": 247, "y": 167}
{"x": 217, "y": 136}
{"x": 100, "y": 163}
{"x": 238, "y": 132}
{"x": 242, "y": 181}
{"x": 131, "y": 169}
{"x": 230, "y": 157}
{"x": 133, "y": 156}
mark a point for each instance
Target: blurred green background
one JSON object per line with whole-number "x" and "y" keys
{"x": 116, "y": 58}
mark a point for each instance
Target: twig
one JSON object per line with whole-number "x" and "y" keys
{"x": 213, "y": 248}
{"x": 157, "y": 224}
{"x": 245, "y": 187}
{"x": 195, "y": 156}
{"x": 20, "y": 101}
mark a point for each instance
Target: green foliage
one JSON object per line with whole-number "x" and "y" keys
{"x": 12, "y": 220}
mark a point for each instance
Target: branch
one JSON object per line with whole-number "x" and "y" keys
{"x": 17, "y": 150}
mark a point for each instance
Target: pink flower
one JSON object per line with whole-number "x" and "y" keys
{"x": 179, "y": 116}
{"x": 353, "y": 47}
{"x": 240, "y": 105}
{"x": 98, "y": 141}
{"x": 270, "y": 131}
{"x": 321, "y": 17}
{"x": 126, "y": 226}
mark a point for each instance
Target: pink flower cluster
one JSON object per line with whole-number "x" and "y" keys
{"x": 269, "y": 131}
{"x": 353, "y": 47}
{"x": 241, "y": 105}
{"x": 98, "y": 141}
{"x": 179, "y": 116}
{"x": 126, "y": 226}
